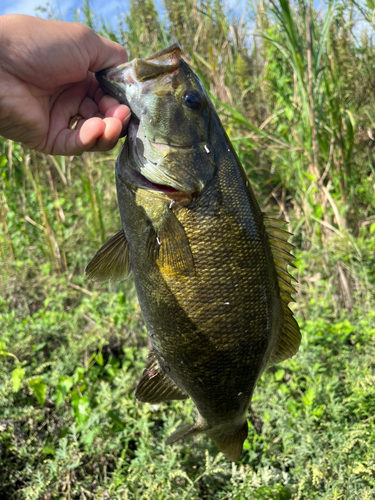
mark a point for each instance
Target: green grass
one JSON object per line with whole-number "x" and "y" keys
{"x": 71, "y": 427}
{"x": 72, "y": 351}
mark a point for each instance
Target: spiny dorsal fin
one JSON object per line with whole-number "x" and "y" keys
{"x": 284, "y": 274}
{"x": 279, "y": 243}
{"x": 290, "y": 336}
{"x": 279, "y": 252}
{"x": 111, "y": 262}
{"x": 155, "y": 386}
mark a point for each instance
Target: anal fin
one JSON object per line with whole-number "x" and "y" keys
{"x": 185, "y": 432}
{"x": 155, "y": 385}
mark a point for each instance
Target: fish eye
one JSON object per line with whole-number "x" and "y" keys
{"x": 192, "y": 99}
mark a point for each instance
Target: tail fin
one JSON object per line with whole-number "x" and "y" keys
{"x": 230, "y": 443}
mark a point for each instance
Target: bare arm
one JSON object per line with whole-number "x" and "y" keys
{"x": 47, "y": 76}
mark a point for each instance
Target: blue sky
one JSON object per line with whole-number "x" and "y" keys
{"x": 108, "y": 9}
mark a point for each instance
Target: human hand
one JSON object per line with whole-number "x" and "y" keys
{"x": 47, "y": 75}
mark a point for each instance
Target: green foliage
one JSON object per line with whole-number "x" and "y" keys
{"x": 72, "y": 425}
{"x": 297, "y": 101}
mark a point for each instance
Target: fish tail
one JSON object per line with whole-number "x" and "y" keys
{"x": 230, "y": 443}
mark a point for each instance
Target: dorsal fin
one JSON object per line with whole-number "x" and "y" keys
{"x": 290, "y": 336}
{"x": 111, "y": 262}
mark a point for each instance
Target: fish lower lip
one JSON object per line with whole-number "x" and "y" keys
{"x": 171, "y": 193}
{"x": 141, "y": 181}
{"x": 160, "y": 187}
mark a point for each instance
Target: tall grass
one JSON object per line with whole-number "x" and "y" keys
{"x": 292, "y": 86}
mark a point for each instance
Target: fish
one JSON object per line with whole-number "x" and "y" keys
{"x": 209, "y": 267}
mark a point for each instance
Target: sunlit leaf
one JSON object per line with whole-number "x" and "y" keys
{"x": 17, "y": 376}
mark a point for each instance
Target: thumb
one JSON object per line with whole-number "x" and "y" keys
{"x": 104, "y": 53}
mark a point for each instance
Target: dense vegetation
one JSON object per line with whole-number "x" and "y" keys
{"x": 295, "y": 90}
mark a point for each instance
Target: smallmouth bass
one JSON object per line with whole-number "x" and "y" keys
{"x": 210, "y": 269}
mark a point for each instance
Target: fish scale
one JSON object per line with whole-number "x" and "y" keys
{"x": 209, "y": 268}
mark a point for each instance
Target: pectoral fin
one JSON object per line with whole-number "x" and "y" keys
{"x": 111, "y": 262}
{"x": 169, "y": 245}
{"x": 155, "y": 386}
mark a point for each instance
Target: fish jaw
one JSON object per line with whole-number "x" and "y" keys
{"x": 163, "y": 165}
{"x": 129, "y": 80}
{"x": 176, "y": 152}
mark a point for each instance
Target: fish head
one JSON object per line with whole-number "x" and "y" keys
{"x": 169, "y": 136}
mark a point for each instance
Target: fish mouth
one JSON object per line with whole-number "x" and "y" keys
{"x": 153, "y": 186}
{"x": 160, "y": 147}
{"x": 110, "y": 87}
{"x": 140, "y": 181}
{"x": 166, "y": 61}
{"x": 138, "y": 178}
{"x": 145, "y": 173}
{"x": 139, "y": 72}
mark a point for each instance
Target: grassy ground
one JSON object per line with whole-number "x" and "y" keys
{"x": 71, "y": 428}
{"x": 71, "y": 351}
